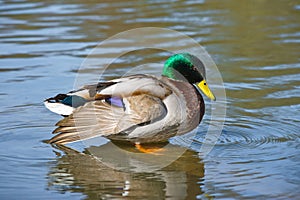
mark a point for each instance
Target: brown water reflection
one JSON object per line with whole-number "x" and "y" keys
{"x": 80, "y": 172}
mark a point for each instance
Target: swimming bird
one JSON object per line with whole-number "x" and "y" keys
{"x": 137, "y": 108}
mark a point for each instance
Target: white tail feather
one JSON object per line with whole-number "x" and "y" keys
{"x": 59, "y": 108}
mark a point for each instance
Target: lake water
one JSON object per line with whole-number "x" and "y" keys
{"x": 255, "y": 45}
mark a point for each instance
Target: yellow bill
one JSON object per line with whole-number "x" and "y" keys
{"x": 205, "y": 89}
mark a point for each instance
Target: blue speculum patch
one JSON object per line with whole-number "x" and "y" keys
{"x": 115, "y": 101}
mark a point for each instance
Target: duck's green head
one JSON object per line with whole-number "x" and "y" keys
{"x": 187, "y": 67}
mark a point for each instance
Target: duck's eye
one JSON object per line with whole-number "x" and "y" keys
{"x": 204, "y": 83}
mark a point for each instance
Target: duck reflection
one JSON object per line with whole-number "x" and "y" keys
{"x": 81, "y": 172}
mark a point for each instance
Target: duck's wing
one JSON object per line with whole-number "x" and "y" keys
{"x": 66, "y": 104}
{"x": 117, "y": 109}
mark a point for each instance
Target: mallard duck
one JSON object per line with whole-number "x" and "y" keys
{"x": 137, "y": 108}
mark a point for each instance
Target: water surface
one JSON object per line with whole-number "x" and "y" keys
{"x": 256, "y": 47}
